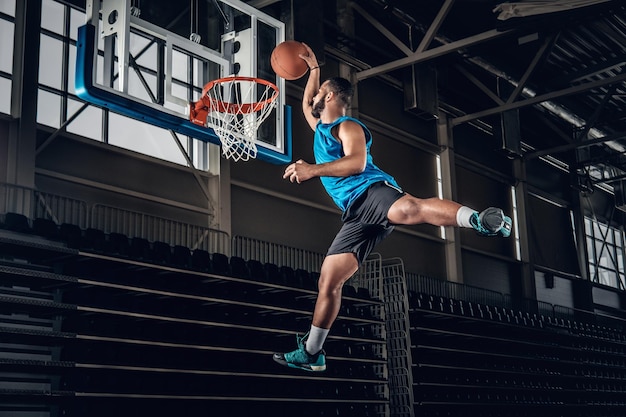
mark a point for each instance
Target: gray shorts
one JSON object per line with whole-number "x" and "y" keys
{"x": 365, "y": 222}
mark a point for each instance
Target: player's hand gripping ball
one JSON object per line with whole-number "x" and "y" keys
{"x": 286, "y": 62}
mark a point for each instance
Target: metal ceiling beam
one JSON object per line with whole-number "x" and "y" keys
{"x": 358, "y": 65}
{"x": 433, "y": 53}
{"x": 554, "y": 128}
{"x": 591, "y": 122}
{"x": 578, "y": 142}
{"x": 522, "y": 82}
{"x": 480, "y": 85}
{"x": 609, "y": 180}
{"x": 579, "y": 145}
{"x": 612, "y": 64}
{"x": 538, "y": 99}
{"x": 382, "y": 29}
{"x": 259, "y": 4}
{"x": 434, "y": 27}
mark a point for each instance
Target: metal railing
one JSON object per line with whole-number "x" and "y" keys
{"x": 398, "y": 338}
{"x": 153, "y": 228}
{"x": 370, "y": 276}
{"x": 278, "y": 254}
{"x": 36, "y": 204}
{"x": 455, "y": 290}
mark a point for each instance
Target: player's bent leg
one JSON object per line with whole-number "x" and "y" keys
{"x": 412, "y": 210}
{"x": 441, "y": 212}
{"x": 336, "y": 270}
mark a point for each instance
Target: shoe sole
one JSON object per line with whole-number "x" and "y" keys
{"x": 308, "y": 368}
{"x": 505, "y": 229}
{"x": 317, "y": 368}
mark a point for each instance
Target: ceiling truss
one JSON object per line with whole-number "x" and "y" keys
{"x": 578, "y": 82}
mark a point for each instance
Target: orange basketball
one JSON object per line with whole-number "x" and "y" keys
{"x": 285, "y": 60}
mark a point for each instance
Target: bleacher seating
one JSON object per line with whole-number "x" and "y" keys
{"x": 16, "y": 222}
{"x": 161, "y": 253}
{"x": 220, "y": 264}
{"x": 93, "y": 240}
{"x": 71, "y": 234}
{"x": 146, "y": 328}
{"x": 139, "y": 249}
{"x": 118, "y": 244}
{"x": 473, "y": 359}
{"x": 197, "y": 327}
{"x": 46, "y": 228}
{"x": 239, "y": 268}
{"x": 257, "y": 271}
{"x": 200, "y": 260}
{"x": 272, "y": 272}
{"x": 181, "y": 256}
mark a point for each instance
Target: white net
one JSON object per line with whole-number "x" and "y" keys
{"x": 237, "y": 107}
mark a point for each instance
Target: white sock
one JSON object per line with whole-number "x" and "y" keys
{"x": 316, "y": 339}
{"x": 463, "y": 216}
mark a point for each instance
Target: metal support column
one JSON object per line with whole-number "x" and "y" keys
{"x": 454, "y": 268}
{"x": 20, "y": 167}
{"x": 345, "y": 20}
{"x": 579, "y": 230}
{"x": 21, "y": 160}
{"x": 528, "y": 287}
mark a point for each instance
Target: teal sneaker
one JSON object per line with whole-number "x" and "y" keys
{"x": 301, "y": 359}
{"x": 491, "y": 222}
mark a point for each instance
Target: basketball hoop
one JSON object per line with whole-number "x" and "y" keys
{"x": 234, "y": 107}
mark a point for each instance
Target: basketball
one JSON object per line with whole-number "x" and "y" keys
{"x": 285, "y": 60}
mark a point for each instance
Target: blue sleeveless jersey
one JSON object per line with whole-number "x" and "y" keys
{"x": 344, "y": 190}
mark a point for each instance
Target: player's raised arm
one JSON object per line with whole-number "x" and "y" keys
{"x": 312, "y": 86}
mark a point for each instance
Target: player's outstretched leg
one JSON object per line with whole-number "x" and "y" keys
{"x": 491, "y": 222}
{"x": 301, "y": 359}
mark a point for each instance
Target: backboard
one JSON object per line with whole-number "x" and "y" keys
{"x": 143, "y": 70}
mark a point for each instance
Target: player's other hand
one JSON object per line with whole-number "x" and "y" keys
{"x": 299, "y": 171}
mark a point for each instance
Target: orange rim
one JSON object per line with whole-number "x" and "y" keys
{"x": 225, "y": 107}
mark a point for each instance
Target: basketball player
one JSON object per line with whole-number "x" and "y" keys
{"x": 370, "y": 199}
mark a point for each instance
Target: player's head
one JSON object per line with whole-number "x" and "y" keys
{"x": 343, "y": 89}
{"x": 342, "y": 92}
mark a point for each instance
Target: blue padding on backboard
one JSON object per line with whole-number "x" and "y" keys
{"x": 273, "y": 156}
{"x": 123, "y": 104}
